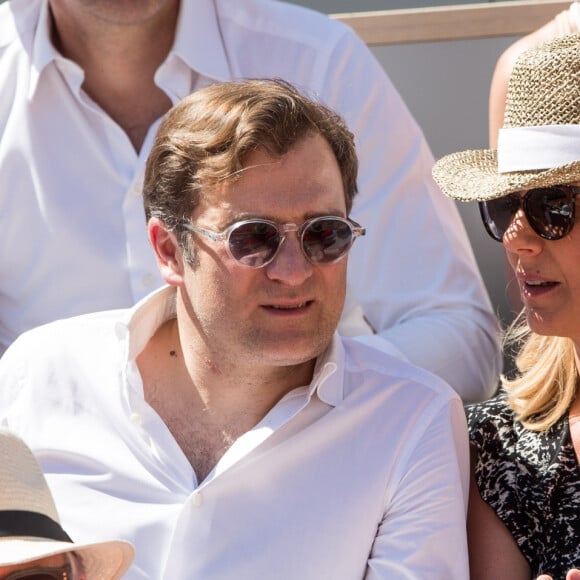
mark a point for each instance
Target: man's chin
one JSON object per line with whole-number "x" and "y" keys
{"x": 293, "y": 352}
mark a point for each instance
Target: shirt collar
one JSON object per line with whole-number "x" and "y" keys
{"x": 198, "y": 40}
{"x": 198, "y": 43}
{"x": 43, "y": 51}
{"x": 140, "y": 323}
{"x": 328, "y": 377}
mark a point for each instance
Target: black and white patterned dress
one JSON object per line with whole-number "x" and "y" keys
{"x": 532, "y": 481}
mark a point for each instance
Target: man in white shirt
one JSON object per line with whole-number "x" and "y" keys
{"x": 222, "y": 425}
{"x": 83, "y": 87}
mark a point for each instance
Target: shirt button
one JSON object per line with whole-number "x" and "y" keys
{"x": 136, "y": 419}
{"x": 197, "y": 499}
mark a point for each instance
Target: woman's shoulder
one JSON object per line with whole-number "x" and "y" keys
{"x": 498, "y": 436}
{"x": 493, "y": 416}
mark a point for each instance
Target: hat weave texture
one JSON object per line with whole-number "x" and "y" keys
{"x": 23, "y": 488}
{"x": 544, "y": 89}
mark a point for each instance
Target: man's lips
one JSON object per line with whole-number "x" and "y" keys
{"x": 288, "y": 306}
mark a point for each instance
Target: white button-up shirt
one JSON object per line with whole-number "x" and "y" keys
{"x": 361, "y": 474}
{"x": 71, "y": 216}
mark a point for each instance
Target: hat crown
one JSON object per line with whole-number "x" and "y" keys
{"x": 22, "y": 483}
{"x": 539, "y": 144}
{"x": 544, "y": 86}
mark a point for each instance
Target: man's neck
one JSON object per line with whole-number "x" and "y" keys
{"x": 119, "y": 60}
{"x": 229, "y": 387}
{"x": 205, "y": 403}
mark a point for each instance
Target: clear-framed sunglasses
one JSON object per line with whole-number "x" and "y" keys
{"x": 256, "y": 242}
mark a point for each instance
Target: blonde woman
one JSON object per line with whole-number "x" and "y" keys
{"x": 524, "y": 507}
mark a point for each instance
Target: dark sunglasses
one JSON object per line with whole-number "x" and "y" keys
{"x": 255, "y": 242}
{"x": 43, "y": 573}
{"x": 549, "y": 211}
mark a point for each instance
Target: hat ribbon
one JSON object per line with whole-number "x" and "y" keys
{"x": 540, "y": 147}
{"x": 15, "y": 523}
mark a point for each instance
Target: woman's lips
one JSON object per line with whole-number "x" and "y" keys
{"x": 534, "y": 287}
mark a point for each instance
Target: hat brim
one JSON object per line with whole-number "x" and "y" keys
{"x": 473, "y": 176}
{"x": 102, "y": 561}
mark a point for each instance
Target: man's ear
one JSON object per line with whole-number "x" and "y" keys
{"x": 169, "y": 256}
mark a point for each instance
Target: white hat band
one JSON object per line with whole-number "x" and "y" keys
{"x": 531, "y": 148}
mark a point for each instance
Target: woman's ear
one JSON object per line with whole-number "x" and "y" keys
{"x": 168, "y": 253}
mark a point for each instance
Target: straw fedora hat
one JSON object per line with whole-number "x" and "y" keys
{"x": 30, "y": 528}
{"x": 539, "y": 144}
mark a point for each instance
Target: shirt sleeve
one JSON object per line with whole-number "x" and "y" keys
{"x": 422, "y": 534}
{"x": 12, "y": 379}
{"x": 414, "y": 273}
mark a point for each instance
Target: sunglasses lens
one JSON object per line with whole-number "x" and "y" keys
{"x": 497, "y": 214}
{"x": 39, "y": 576}
{"x": 43, "y": 573}
{"x": 550, "y": 211}
{"x": 254, "y": 243}
{"x": 327, "y": 239}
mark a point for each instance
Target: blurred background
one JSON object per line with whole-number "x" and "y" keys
{"x": 440, "y": 54}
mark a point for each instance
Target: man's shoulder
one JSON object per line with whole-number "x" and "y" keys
{"x": 387, "y": 396}
{"x": 283, "y": 20}
{"x": 59, "y": 338}
{"x": 367, "y": 363}
{"x": 18, "y": 20}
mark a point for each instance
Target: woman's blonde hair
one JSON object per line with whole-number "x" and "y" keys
{"x": 546, "y": 384}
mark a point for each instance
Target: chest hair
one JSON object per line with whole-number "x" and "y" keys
{"x": 202, "y": 437}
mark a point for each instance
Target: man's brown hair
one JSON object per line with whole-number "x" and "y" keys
{"x": 205, "y": 139}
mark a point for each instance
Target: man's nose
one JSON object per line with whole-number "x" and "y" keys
{"x": 290, "y": 266}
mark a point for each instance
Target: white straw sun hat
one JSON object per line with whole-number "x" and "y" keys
{"x": 30, "y": 528}
{"x": 539, "y": 144}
